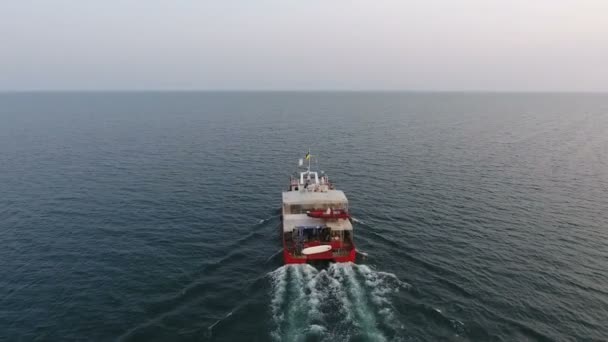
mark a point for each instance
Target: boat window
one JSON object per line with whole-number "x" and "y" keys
{"x": 303, "y": 208}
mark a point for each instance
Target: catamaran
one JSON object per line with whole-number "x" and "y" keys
{"x": 316, "y": 222}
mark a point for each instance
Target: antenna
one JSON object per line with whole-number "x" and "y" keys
{"x": 308, "y": 156}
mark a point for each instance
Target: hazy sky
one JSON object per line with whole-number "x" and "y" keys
{"x": 304, "y": 44}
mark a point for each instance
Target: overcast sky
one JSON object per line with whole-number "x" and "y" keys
{"x": 494, "y": 45}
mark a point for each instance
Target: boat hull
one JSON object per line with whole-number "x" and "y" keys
{"x": 288, "y": 258}
{"x": 329, "y": 256}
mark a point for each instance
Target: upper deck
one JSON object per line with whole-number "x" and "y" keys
{"x": 313, "y": 197}
{"x": 311, "y": 191}
{"x": 298, "y": 202}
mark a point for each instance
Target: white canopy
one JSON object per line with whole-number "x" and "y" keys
{"x": 312, "y": 197}
{"x": 295, "y": 220}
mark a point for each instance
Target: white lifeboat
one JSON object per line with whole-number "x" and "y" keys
{"x": 316, "y": 249}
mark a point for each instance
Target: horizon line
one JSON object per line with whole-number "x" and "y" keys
{"x": 151, "y": 90}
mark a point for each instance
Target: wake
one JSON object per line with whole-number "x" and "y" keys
{"x": 340, "y": 303}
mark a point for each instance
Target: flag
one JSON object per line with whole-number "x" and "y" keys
{"x": 307, "y": 155}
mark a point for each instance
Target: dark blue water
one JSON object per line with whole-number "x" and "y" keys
{"x": 154, "y": 216}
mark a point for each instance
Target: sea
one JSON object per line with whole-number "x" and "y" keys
{"x": 155, "y": 216}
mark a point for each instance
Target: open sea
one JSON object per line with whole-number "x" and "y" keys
{"x": 155, "y": 216}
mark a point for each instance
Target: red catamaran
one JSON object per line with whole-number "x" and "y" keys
{"x": 316, "y": 223}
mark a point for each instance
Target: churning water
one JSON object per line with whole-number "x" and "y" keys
{"x": 342, "y": 302}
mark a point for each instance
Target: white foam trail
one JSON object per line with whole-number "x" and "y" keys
{"x": 316, "y": 295}
{"x": 338, "y": 291}
{"x": 272, "y": 256}
{"x": 298, "y": 294}
{"x": 338, "y": 303}
{"x": 316, "y": 329}
{"x": 366, "y": 317}
{"x": 279, "y": 284}
{"x": 357, "y": 220}
{"x": 264, "y": 220}
{"x": 210, "y": 328}
{"x": 298, "y": 316}
{"x": 365, "y": 254}
{"x": 383, "y": 285}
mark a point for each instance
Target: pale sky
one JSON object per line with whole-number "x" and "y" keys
{"x": 488, "y": 45}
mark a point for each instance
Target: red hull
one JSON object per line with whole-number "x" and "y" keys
{"x": 327, "y": 256}
{"x": 289, "y": 258}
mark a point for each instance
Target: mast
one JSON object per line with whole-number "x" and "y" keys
{"x": 308, "y": 156}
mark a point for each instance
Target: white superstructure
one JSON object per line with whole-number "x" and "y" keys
{"x": 313, "y": 213}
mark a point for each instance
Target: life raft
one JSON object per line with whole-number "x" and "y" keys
{"x": 328, "y": 214}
